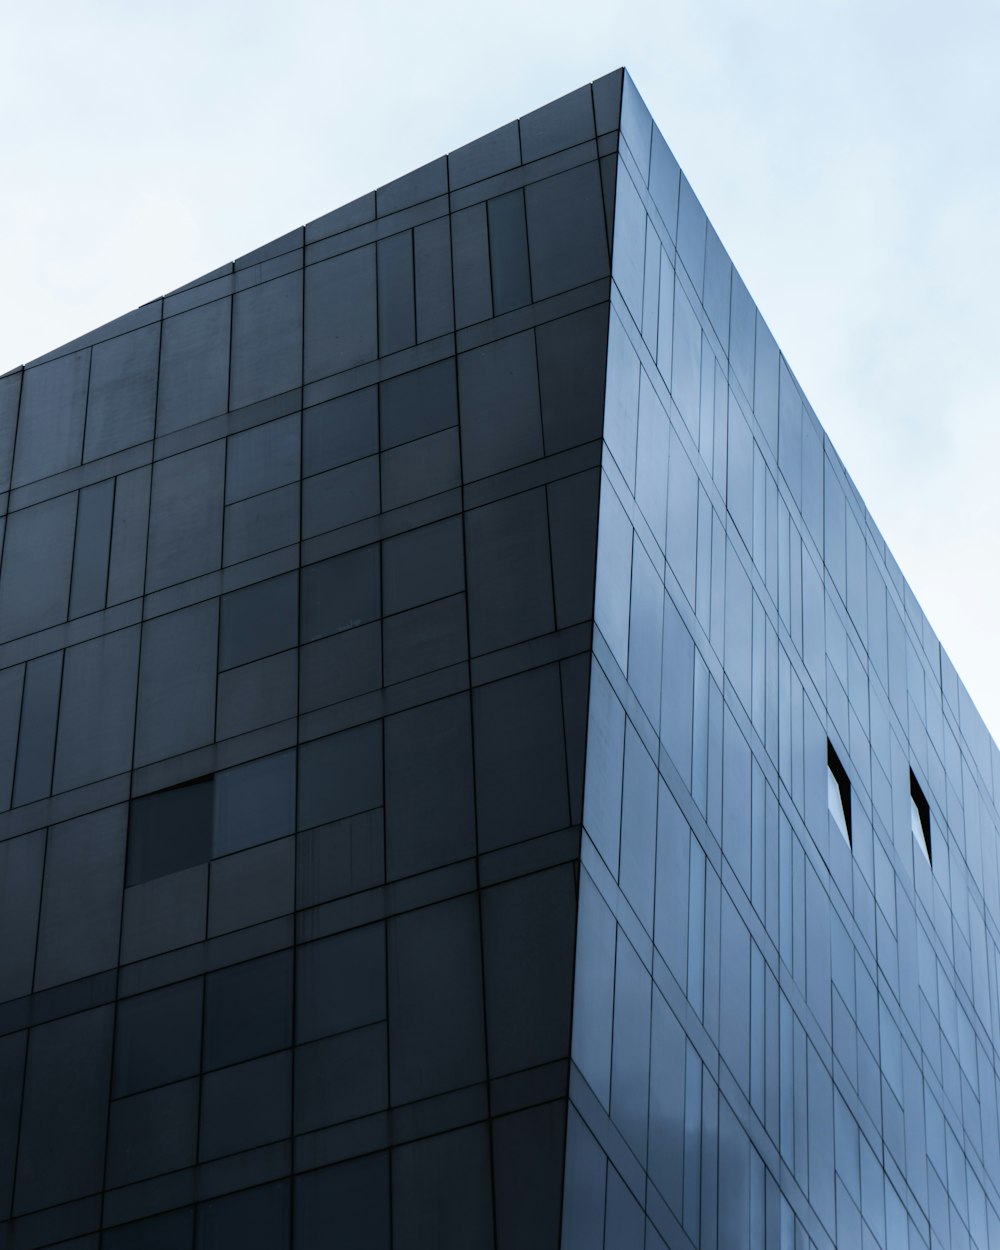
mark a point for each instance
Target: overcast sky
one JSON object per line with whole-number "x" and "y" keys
{"x": 846, "y": 151}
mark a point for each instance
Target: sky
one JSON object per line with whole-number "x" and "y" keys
{"x": 847, "y": 152}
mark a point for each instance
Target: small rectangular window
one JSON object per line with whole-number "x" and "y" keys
{"x": 838, "y": 793}
{"x": 920, "y": 817}
{"x": 170, "y": 830}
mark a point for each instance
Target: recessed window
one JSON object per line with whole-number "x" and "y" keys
{"x": 170, "y": 830}
{"x": 838, "y": 793}
{"x": 920, "y": 817}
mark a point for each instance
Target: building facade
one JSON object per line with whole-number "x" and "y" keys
{"x": 472, "y": 774}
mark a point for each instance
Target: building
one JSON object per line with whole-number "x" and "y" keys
{"x": 472, "y": 773}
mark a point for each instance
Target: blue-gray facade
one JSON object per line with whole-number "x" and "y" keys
{"x": 782, "y": 1036}
{"x": 471, "y": 773}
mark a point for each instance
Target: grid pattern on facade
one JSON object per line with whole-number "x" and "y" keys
{"x": 295, "y": 619}
{"x": 471, "y": 772}
{"x": 783, "y": 1036}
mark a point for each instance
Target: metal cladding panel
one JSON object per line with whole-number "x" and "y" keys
{"x": 785, "y": 1018}
{"x": 296, "y": 607}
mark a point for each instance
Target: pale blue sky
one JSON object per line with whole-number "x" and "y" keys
{"x": 846, "y": 151}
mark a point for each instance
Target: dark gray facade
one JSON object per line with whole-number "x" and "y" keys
{"x": 436, "y": 651}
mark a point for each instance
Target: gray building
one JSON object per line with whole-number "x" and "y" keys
{"x": 472, "y": 773}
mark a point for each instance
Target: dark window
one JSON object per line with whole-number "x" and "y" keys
{"x": 920, "y": 817}
{"x": 838, "y": 792}
{"x": 170, "y": 830}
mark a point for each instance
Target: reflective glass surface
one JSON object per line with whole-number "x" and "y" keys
{"x": 810, "y": 992}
